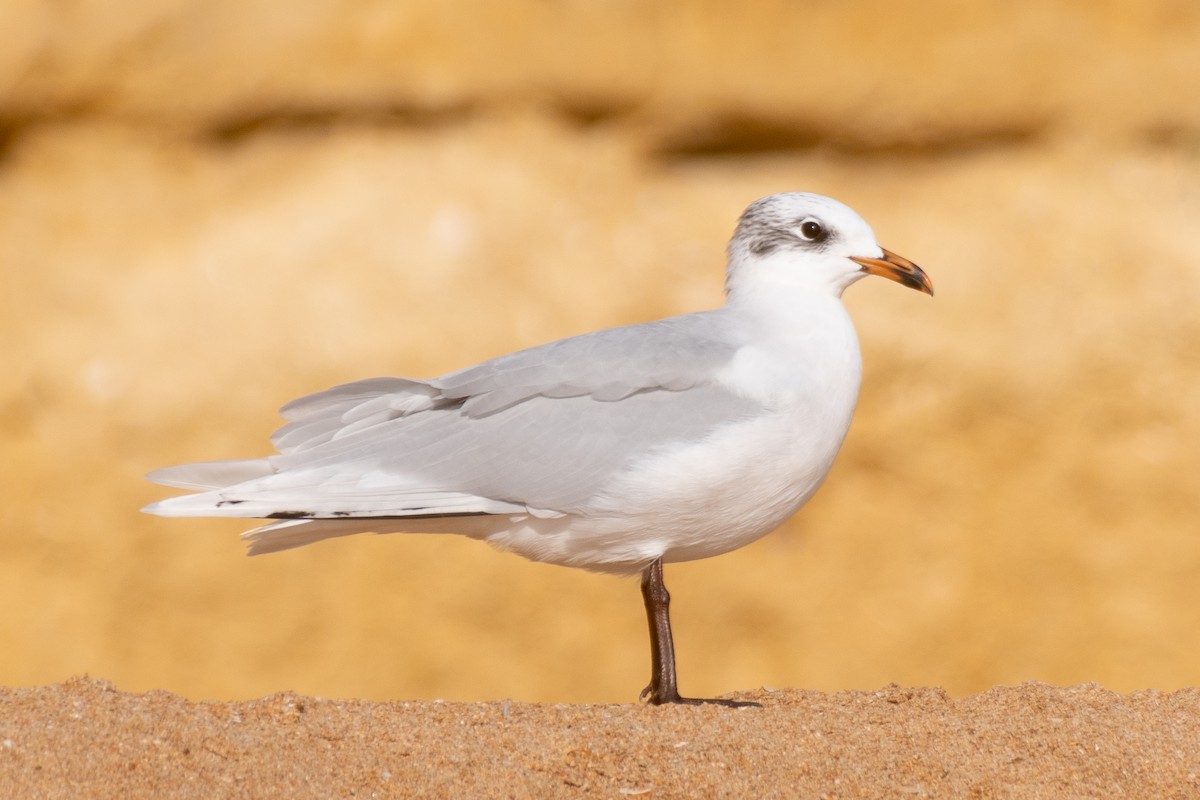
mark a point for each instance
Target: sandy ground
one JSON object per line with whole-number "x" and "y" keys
{"x": 84, "y": 738}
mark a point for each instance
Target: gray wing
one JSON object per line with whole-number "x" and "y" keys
{"x": 671, "y": 354}
{"x": 540, "y": 429}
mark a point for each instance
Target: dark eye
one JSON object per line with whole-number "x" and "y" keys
{"x": 812, "y": 230}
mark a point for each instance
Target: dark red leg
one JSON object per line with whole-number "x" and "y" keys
{"x": 663, "y": 687}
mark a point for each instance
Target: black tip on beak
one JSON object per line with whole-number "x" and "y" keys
{"x": 897, "y": 268}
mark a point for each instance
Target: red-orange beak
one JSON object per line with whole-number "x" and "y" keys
{"x": 897, "y": 268}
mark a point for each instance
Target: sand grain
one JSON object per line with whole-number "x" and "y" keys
{"x": 85, "y": 738}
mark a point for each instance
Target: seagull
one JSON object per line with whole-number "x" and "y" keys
{"x": 614, "y": 451}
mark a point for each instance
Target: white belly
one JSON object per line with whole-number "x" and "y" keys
{"x": 703, "y": 498}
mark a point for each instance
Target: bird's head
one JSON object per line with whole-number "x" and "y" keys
{"x": 801, "y": 240}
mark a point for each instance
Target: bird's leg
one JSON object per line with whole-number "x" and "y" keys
{"x": 662, "y": 688}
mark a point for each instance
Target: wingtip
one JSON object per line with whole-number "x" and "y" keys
{"x": 159, "y": 476}
{"x": 208, "y": 475}
{"x": 164, "y": 507}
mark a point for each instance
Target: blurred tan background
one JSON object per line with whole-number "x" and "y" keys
{"x": 207, "y": 209}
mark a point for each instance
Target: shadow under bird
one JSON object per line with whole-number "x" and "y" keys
{"x": 616, "y": 451}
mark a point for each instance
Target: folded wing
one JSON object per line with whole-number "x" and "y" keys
{"x": 539, "y": 431}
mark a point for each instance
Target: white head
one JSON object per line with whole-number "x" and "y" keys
{"x": 801, "y": 240}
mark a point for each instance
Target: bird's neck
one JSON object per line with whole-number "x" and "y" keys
{"x": 789, "y": 311}
{"x": 804, "y": 342}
